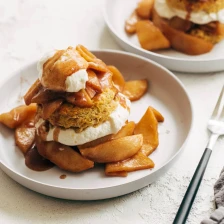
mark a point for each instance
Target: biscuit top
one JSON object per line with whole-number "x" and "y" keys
{"x": 209, "y": 6}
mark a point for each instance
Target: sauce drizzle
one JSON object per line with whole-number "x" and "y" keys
{"x": 36, "y": 162}
{"x": 63, "y": 176}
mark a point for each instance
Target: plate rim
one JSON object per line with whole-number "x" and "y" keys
{"x": 112, "y": 29}
{"x": 33, "y": 62}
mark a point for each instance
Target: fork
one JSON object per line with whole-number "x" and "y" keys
{"x": 216, "y": 127}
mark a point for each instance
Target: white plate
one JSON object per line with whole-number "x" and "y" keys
{"x": 166, "y": 94}
{"x": 117, "y": 11}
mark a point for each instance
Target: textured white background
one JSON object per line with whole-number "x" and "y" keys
{"x": 30, "y": 28}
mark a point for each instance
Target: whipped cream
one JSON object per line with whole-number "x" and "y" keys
{"x": 75, "y": 82}
{"x": 202, "y": 17}
{"x": 114, "y": 123}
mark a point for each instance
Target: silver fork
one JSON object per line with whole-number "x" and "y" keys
{"x": 216, "y": 127}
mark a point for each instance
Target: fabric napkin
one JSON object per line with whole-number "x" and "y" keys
{"x": 217, "y": 217}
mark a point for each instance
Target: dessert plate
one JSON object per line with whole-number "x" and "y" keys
{"x": 115, "y": 14}
{"x": 165, "y": 93}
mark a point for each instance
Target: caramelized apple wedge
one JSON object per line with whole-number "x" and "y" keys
{"x": 45, "y": 95}
{"x": 33, "y": 90}
{"x": 148, "y": 127}
{"x": 126, "y": 130}
{"x": 50, "y": 107}
{"x": 130, "y": 23}
{"x": 80, "y": 98}
{"x": 185, "y": 43}
{"x": 150, "y": 37}
{"x": 114, "y": 150}
{"x": 90, "y": 91}
{"x": 95, "y": 142}
{"x": 159, "y": 117}
{"x": 144, "y": 8}
{"x": 181, "y": 41}
{"x": 135, "y": 89}
{"x": 220, "y": 29}
{"x": 63, "y": 156}
{"x": 85, "y": 53}
{"x": 24, "y": 137}
{"x": 180, "y": 24}
{"x": 117, "y": 78}
{"x": 105, "y": 79}
{"x": 93, "y": 62}
{"x": 138, "y": 162}
{"x": 93, "y": 81}
{"x": 18, "y": 115}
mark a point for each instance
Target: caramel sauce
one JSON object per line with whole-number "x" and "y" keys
{"x": 56, "y": 134}
{"x": 56, "y": 70}
{"x": 63, "y": 176}
{"x": 36, "y": 162}
{"x": 50, "y": 107}
{"x": 82, "y": 99}
{"x": 189, "y": 7}
{"x": 93, "y": 81}
{"x": 105, "y": 79}
{"x": 33, "y": 90}
{"x": 189, "y": 10}
{"x": 90, "y": 91}
{"x": 45, "y": 95}
{"x": 42, "y": 131}
{"x": 122, "y": 101}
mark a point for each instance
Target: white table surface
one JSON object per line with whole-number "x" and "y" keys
{"x": 30, "y": 28}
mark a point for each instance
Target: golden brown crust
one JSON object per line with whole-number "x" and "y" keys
{"x": 197, "y": 5}
{"x": 212, "y": 32}
{"x": 79, "y": 118}
{"x": 212, "y": 38}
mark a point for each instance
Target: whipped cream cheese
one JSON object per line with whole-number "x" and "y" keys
{"x": 74, "y": 82}
{"x": 202, "y": 17}
{"x": 68, "y": 136}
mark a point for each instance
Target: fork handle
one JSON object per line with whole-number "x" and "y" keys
{"x": 192, "y": 190}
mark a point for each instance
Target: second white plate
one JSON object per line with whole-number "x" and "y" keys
{"x": 117, "y": 11}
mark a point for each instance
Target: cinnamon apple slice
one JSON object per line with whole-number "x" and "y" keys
{"x": 150, "y": 37}
{"x": 181, "y": 41}
{"x": 135, "y": 89}
{"x": 114, "y": 150}
{"x": 144, "y": 8}
{"x": 117, "y": 78}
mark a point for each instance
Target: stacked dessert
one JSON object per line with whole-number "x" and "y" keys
{"x": 77, "y": 101}
{"x": 203, "y": 19}
{"x": 76, "y": 115}
{"x": 190, "y": 26}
